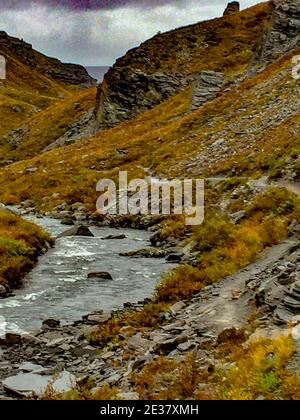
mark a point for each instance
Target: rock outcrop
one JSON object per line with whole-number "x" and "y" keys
{"x": 126, "y": 91}
{"x": 283, "y": 33}
{"x": 76, "y": 131}
{"x": 205, "y": 88}
{"x": 67, "y": 73}
{"x": 232, "y": 8}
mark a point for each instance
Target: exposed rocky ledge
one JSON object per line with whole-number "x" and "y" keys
{"x": 283, "y": 33}
{"x": 205, "y": 88}
{"x": 126, "y": 91}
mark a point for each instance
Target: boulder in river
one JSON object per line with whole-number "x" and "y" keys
{"x": 77, "y": 230}
{"x": 145, "y": 253}
{"x": 103, "y": 275}
{"x": 121, "y": 236}
{"x": 3, "y": 291}
{"x": 68, "y": 221}
{"x": 175, "y": 257}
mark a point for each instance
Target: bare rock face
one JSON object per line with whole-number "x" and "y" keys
{"x": 283, "y": 34}
{"x": 78, "y": 129}
{"x": 205, "y": 88}
{"x": 232, "y": 8}
{"x": 126, "y": 91}
{"x": 67, "y": 73}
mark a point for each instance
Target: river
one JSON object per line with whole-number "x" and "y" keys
{"x": 58, "y": 286}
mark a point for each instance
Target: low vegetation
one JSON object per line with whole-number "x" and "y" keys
{"x": 81, "y": 391}
{"x": 21, "y": 242}
{"x": 258, "y": 370}
{"x": 148, "y": 317}
{"x": 225, "y": 247}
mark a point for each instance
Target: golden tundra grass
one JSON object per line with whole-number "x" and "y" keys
{"x": 20, "y": 244}
{"x": 165, "y": 140}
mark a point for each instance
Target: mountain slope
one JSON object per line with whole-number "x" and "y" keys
{"x": 64, "y": 122}
{"x": 250, "y": 130}
{"x": 33, "y": 82}
{"x": 163, "y": 65}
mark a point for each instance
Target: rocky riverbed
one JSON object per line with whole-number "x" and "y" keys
{"x": 193, "y": 325}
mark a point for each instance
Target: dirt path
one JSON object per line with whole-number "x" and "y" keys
{"x": 228, "y": 303}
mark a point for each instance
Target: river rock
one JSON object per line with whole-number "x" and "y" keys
{"x": 68, "y": 221}
{"x": 296, "y": 332}
{"x": 177, "y": 307}
{"x": 3, "y": 291}
{"x": 166, "y": 346}
{"x": 27, "y": 204}
{"x": 77, "y": 230}
{"x": 103, "y": 275}
{"x": 128, "y": 396}
{"x": 50, "y": 323}
{"x": 175, "y": 257}
{"x": 121, "y": 236}
{"x": 145, "y": 253}
{"x": 97, "y": 318}
{"x": 31, "y": 367}
{"x": 55, "y": 343}
{"x": 25, "y": 384}
{"x": 139, "y": 344}
{"x": 238, "y": 216}
{"x": 10, "y": 339}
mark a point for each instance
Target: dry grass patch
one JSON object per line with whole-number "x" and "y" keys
{"x": 20, "y": 244}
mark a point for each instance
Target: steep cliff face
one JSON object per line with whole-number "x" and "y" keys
{"x": 283, "y": 32}
{"x": 126, "y": 91}
{"x": 66, "y": 73}
{"x": 169, "y": 62}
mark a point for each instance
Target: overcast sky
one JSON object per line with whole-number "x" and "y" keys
{"x": 96, "y": 32}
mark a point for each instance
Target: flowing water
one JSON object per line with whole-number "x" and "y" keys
{"x": 58, "y": 286}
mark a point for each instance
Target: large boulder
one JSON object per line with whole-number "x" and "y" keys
{"x": 77, "y": 230}
{"x": 120, "y": 236}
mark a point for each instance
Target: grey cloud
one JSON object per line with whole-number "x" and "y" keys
{"x": 97, "y": 38}
{"x": 84, "y": 5}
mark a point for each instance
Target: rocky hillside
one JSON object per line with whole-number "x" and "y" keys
{"x": 222, "y": 138}
{"x": 231, "y": 45}
{"x": 165, "y": 64}
{"x": 72, "y": 74}
{"x": 216, "y": 100}
{"x": 34, "y": 83}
